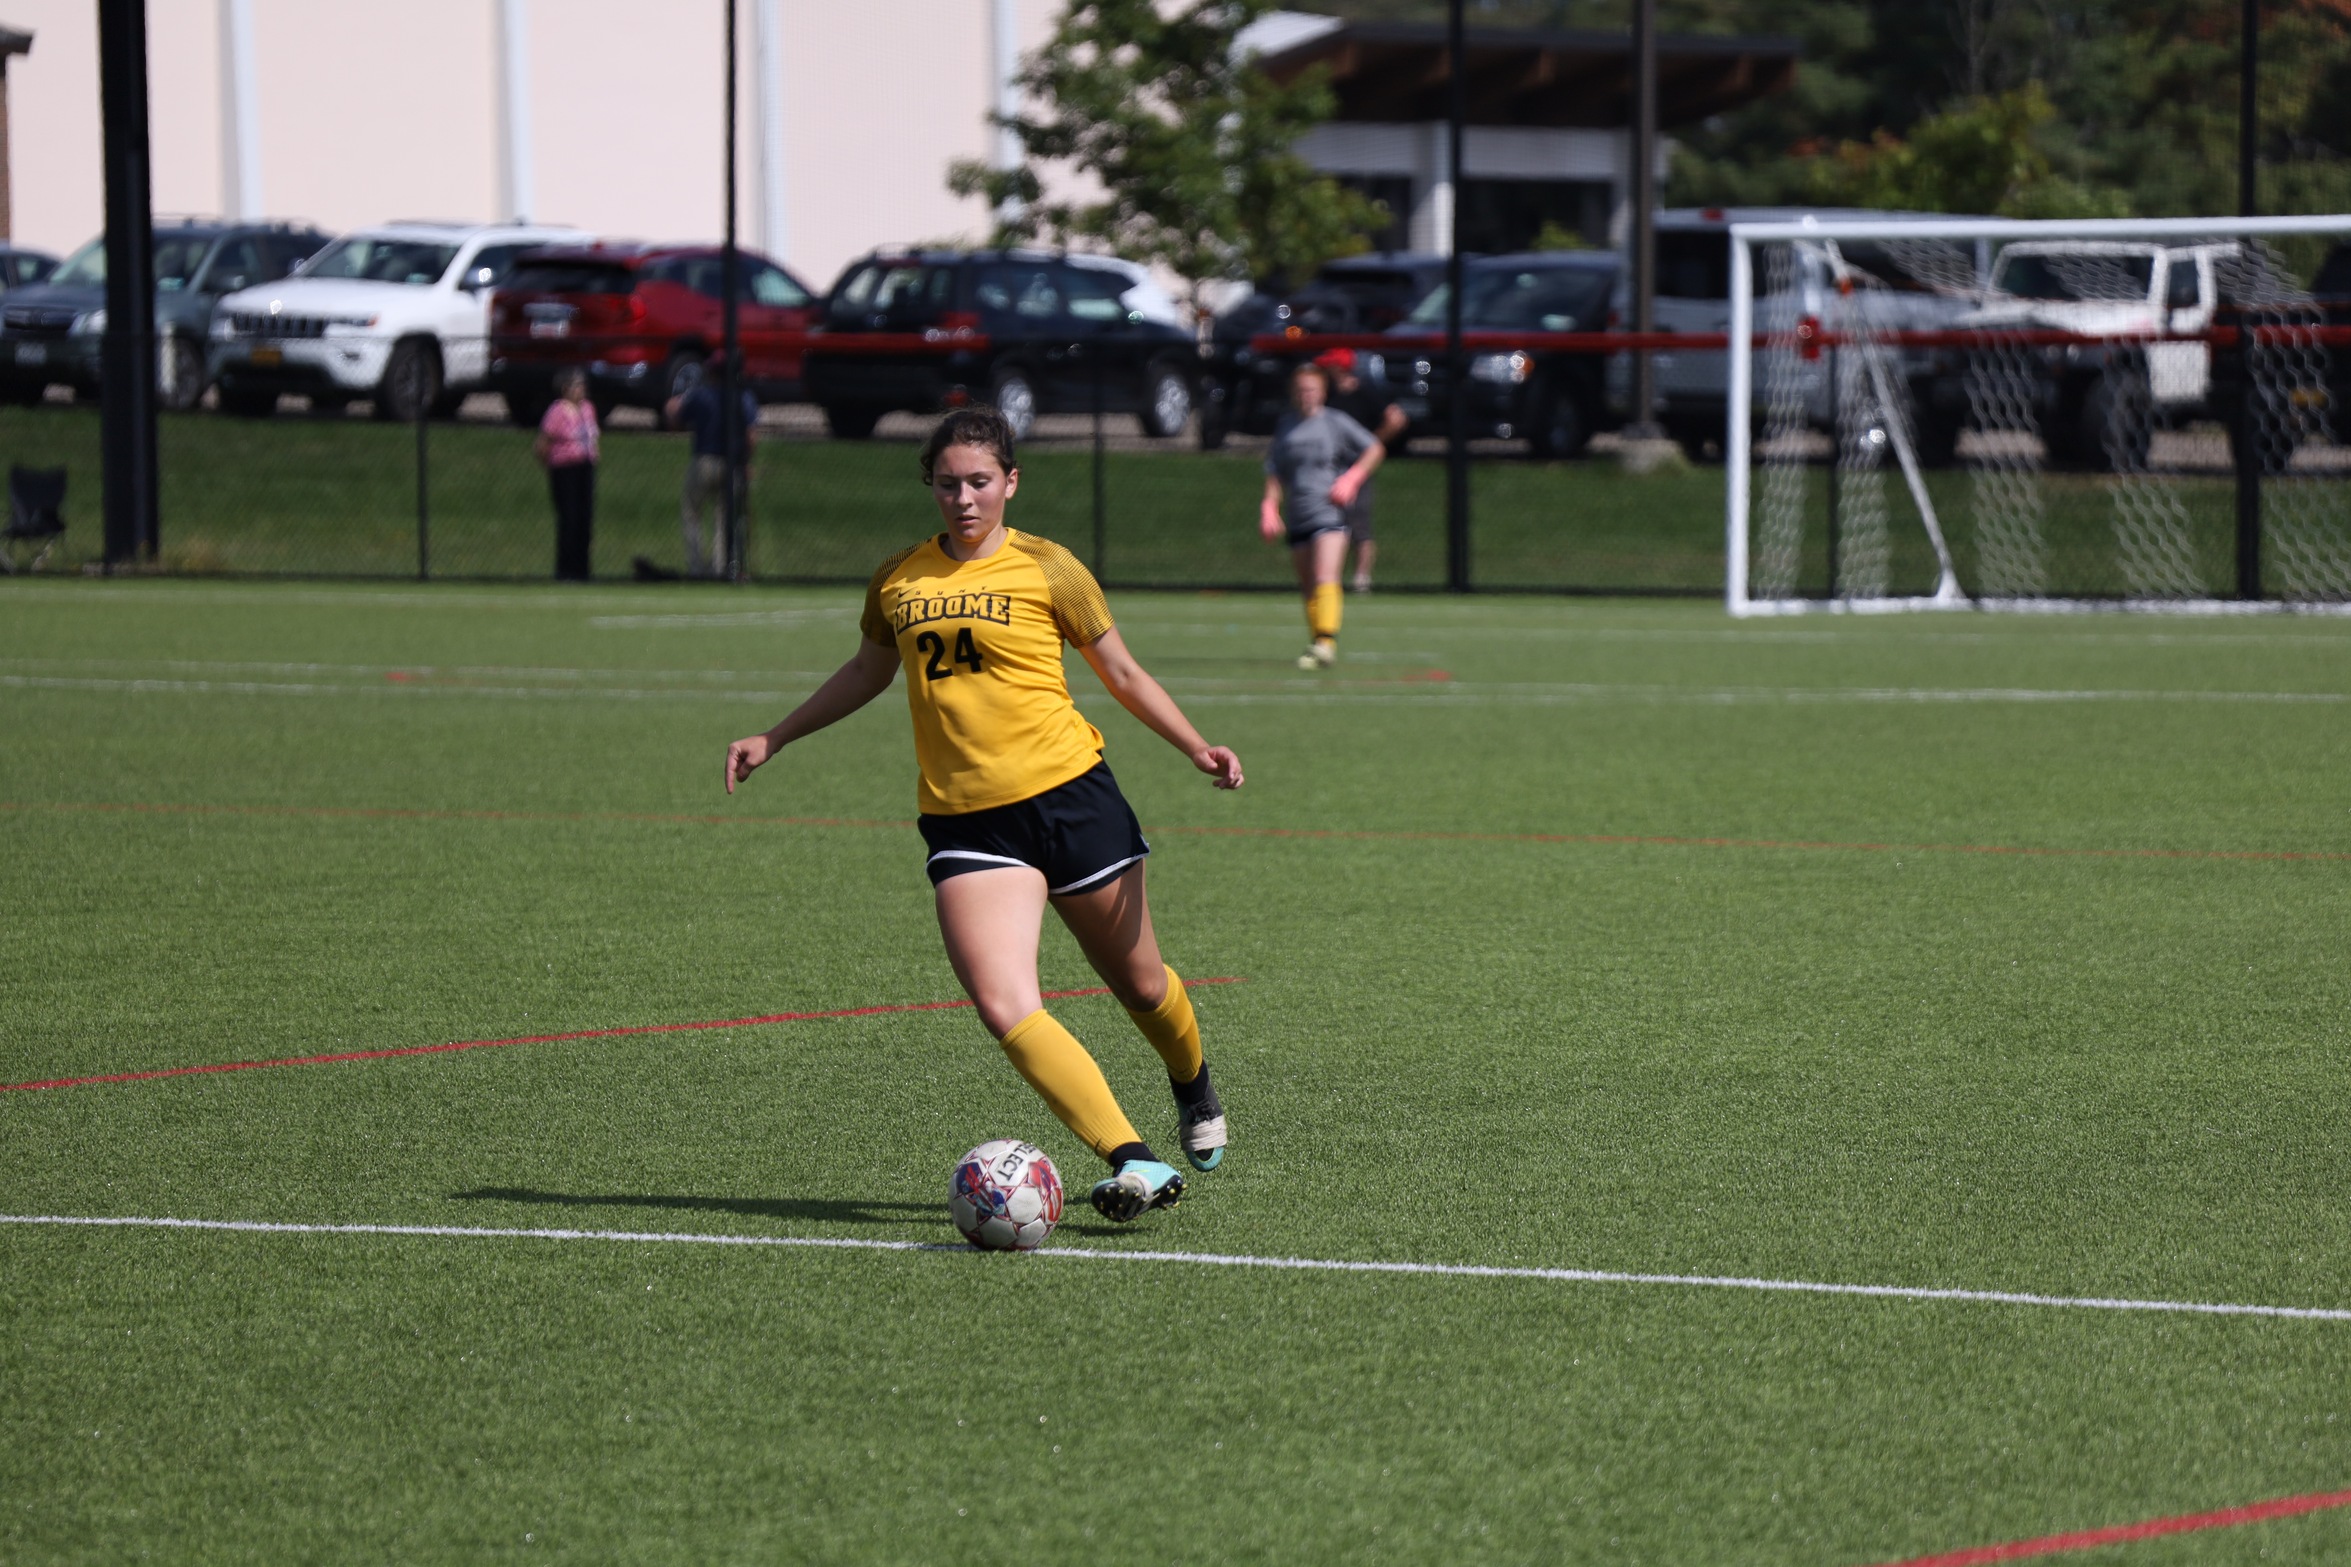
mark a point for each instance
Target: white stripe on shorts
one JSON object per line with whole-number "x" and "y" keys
{"x": 1087, "y": 881}
{"x": 974, "y": 854}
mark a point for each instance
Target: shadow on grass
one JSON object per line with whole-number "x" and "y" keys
{"x": 826, "y": 1209}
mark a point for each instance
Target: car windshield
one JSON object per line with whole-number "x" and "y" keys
{"x": 177, "y": 256}
{"x": 1526, "y": 299}
{"x": 2076, "y": 276}
{"x": 412, "y": 261}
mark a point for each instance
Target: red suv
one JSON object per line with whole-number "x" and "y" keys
{"x": 641, "y": 320}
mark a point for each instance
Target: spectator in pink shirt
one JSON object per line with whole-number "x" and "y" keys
{"x": 567, "y": 446}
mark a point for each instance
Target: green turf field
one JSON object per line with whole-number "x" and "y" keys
{"x": 1570, "y": 935}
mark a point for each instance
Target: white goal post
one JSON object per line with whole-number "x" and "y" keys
{"x": 1949, "y": 413}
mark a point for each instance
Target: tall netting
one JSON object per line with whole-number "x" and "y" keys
{"x": 2043, "y": 415}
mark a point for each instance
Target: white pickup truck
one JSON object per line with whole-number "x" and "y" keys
{"x": 2092, "y": 400}
{"x": 398, "y": 315}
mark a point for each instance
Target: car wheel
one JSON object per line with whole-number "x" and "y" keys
{"x": 246, "y": 402}
{"x": 524, "y": 410}
{"x": 1559, "y": 429}
{"x": 679, "y": 376}
{"x": 179, "y": 374}
{"x": 1167, "y": 402}
{"x": 411, "y": 383}
{"x": 2116, "y": 428}
{"x": 1934, "y": 438}
{"x": 851, "y": 421}
{"x": 24, "y": 394}
{"x": 1016, "y": 400}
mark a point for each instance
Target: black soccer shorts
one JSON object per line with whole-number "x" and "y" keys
{"x": 1079, "y": 835}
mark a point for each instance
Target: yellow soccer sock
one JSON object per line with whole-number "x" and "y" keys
{"x": 1323, "y": 607}
{"x": 1067, "y": 1079}
{"x": 1173, "y": 1031}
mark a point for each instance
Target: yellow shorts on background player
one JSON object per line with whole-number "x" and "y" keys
{"x": 1018, "y": 808}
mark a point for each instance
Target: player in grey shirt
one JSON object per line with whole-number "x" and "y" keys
{"x": 1318, "y": 463}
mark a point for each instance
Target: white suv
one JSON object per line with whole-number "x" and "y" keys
{"x": 398, "y": 314}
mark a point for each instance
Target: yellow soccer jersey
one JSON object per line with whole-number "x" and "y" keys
{"x": 981, "y": 642}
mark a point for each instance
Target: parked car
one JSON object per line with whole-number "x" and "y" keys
{"x": 641, "y": 320}
{"x": 1692, "y": 386}
{"x": 1032, "y": 332}
{"x": 20, "y": 264}
{"x": 399, "y": 315}
{"x": 1520, "y": 386}
{"x": 2098, "y": 403}
{"x": 1241, "y": 389}
{"x": 2302, "y": 380}
{"x": 51, "y": 332}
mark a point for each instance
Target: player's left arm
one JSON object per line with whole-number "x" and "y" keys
{"x": 1144, "y": 697}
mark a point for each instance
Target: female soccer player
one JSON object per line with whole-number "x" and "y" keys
{"x": 1319, "y": 461}
{"x": 1017, "y": 806}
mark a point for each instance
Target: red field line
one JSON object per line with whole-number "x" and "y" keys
{"x": 2121, "y": 1534}
{"x": 1367, "y": 835}
{"x": 543, "y": 1039}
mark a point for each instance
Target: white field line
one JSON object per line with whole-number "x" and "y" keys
{"x": 1222, "y": 1260}
{"x": 1446, "y": 694}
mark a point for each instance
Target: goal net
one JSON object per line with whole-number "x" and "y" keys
{"x": 1945, "y": 413}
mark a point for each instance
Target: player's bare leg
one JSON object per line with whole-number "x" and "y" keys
{"x": 1366, "y": 551}
{"x": 1112, "y": 925}
{"x": 1318, "y": 560}
{"x": 991, "y": 920}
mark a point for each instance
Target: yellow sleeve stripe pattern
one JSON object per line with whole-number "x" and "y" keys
{"x": 1078, "y": 606}
{"x": 875, "y": 622}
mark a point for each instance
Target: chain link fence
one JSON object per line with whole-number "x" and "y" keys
{"x": 310, "y": 480}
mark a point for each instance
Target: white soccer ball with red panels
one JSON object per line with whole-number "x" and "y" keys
{"x": 1006, "y": 1196}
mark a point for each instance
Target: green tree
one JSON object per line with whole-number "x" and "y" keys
{"x": 1980, "y": 155}
{"x": 1187, "y": 145}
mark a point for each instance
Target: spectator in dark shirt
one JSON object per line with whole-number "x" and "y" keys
{"x": 702, "y": 411}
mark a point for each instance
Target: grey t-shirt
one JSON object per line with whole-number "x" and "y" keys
{"x": 1307, "y": 456}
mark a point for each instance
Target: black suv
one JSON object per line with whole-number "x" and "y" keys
{"x": 1519, "y": 386}
{"x": 1031, "y": 332}
{"x": 50, "y": 331}
{"x": 1244, "y": 390}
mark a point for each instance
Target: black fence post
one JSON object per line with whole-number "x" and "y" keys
{"x": 127, "y": 352}
{"x": 1836, "y": 464}
{"x": 2248, "y": 431}
{"x": 424, "y": 503}
{"x": 1456, "y": 364}
{"x": 1101, "y": 499}
{"x": 730, "y": 361}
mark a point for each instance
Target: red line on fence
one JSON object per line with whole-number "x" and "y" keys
{"x": 1366, "y": 834}
{"x": 545, "y": 1039}
{"x": 2120, "y": 1534}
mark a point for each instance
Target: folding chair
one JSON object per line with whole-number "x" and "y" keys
{"x": 36, "y": 515}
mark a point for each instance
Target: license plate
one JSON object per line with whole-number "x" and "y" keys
{"x": 269, "y": 358}
{"x": 1414, "y": 407}
{"x": 31, "y": 354}
{"x": 550, "y": 329}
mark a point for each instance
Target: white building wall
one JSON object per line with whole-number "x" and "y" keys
{"x": 380, "y": 109}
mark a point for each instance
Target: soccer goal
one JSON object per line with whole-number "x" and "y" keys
{"x": 2126, "y": 413}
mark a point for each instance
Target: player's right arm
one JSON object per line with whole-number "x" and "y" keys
{"x": 1269, "y": 509}
{"x": 867, "y": 675}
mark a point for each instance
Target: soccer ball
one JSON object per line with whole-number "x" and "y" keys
{"x": 1006, "y": 1196}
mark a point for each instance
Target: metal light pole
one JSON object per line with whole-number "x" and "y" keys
{"x": 730, "y": 279}
{"x": 1643, "y": 193}
{"x": 1456, "y": 363}
{"x": 127, "y": 353}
